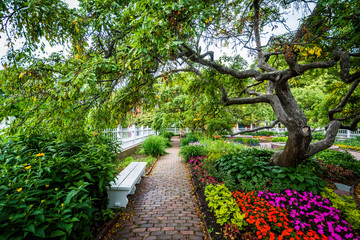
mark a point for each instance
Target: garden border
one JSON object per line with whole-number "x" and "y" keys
{"x": 198, "y": 203}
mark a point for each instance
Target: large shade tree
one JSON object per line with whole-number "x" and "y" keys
{"x": 119, "y": 49}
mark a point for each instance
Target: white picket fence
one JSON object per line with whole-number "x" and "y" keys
{"x": 342, "y": 133}
{"x": 133, "y": 136}
{"x": 129, "y": 137}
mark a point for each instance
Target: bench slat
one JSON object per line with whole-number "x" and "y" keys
{"x": 133, "y": 177}
{"x": 123, "y": 174}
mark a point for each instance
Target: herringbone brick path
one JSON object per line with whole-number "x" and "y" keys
{"x": 163, "y": 206}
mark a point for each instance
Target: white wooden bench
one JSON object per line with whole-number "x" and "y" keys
{"x": 124, "y": 184}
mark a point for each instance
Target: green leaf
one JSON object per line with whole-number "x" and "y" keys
{"x": 40, "y": 232}
{"x": 281, "y": 175}
{"x": 30, "y": 228}
{"x": 57, "y": 233}
{"x": 300, "y": 178}
{"x": 88, "y": 176}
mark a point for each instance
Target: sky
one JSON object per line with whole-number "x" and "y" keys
{"x": 292, "y": 21}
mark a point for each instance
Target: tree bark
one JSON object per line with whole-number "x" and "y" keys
{"x": 295, "y": 149}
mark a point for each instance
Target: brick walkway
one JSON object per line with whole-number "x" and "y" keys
{"x": 163, "y": 206}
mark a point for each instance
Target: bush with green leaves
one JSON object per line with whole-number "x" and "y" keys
{"x": 279, "y": 139}
{"x": 125, "y": 162}
{"x": 221, "y": 146}
{"x": 250, "y": 169}
{"x": 155, "y": 146}
{"x": 189, "y": 138}
{"x": 166, "y": 134}
{"x": 192, "y": 150}
{"x": 338, "y": 158}
{"x": 346, "y": 205}
{"x": 52, "y": 188}
{"x": 265, "y": 133}
{"x": 318, "y": 135}
{"x": 224, "y": 206}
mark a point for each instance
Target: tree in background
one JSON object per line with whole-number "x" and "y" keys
{"x": 117, "y": 50}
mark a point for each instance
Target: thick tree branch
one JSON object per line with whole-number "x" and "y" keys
{"x": 330, "y": 136}
{"x": 353, "y": 124}
{"x": 247, "y": 100}
{"x": 257, "y": 129}
{"x": 193, "y": 56}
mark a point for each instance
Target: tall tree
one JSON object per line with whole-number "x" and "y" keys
{"x": 118, "y": 48}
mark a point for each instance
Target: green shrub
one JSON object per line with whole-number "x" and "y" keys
{"x": 248, "y": 134}
{"x": 125, "y": 162}
{"x": 318, "y": 135}
{"x": 189, "y": 138}
{"x": 224, "y": 206}
{"x": 166, "y": 134}
{"x": 265, "y": 133}
{"x": 154, "y": 146}
{"x": 279, "y": 139}
{"x": 284, "y": 133}
{"x": 221, "y": 146}
{"x": 251, "y": 170}
{"x": 346, "y": 205}
{"x": 341, "y": 159}
{"x": 52, "y": 188}
{"x": 192, "y": 150}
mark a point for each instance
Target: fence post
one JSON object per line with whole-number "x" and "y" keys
{"x": 348, "y": 134}
{"x": 142, "y": 133}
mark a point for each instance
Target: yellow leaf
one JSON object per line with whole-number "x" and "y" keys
{"x": 77, "y": 56}
{"x": 207, "y": 20}
{"x": 210, "y": 19}
{"x": 22, "y": 74}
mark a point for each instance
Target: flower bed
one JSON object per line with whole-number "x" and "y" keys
{"x": 285, "y": 214}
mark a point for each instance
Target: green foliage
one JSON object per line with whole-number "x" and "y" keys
{"x": 265, "y": 133}
{"x": 250, "y": 169}
{"x": 166, "y": 134}
{"x": 189, "y": 138}
{"x": 318, "y": 135}
{"x": 346, "y": 205}
{"x": 154, "y": 146}
{"x": 192, "y": 150}
{"x": 125, "y": 162}
{"x": 53, "y": 188}
{"x": 341, "y": 159}
{"x": 224, "y": 206}
{"x": 279, "y": 139}
{"x": 221, "y": 147}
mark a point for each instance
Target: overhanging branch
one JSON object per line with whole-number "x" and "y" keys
{"x": 259, "y": 128}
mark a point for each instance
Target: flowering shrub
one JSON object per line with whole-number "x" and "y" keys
{"x": 336, "y": 173}
{"x": 309, "y": 212}
{"x": 338, "y": 158}
{"x": 200, "y": 172}
{"x": 53, "y": 189}
{"x": 196, "y": 160}
{"x": 192, "y": 151}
